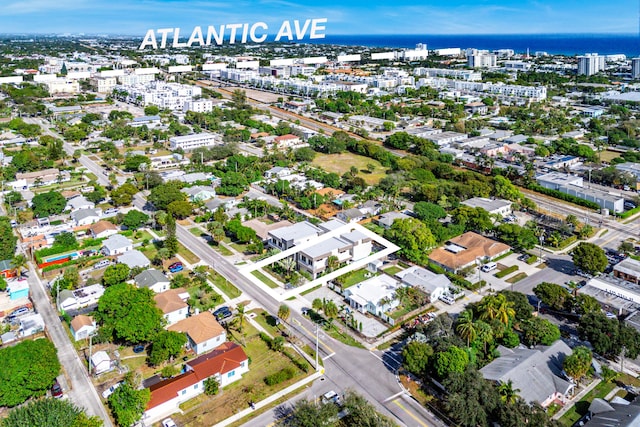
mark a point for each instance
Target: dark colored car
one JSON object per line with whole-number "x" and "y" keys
{"x": 56, "y": 390}
{"x": 138, "y": 348}
{"x": 223, "y": 313}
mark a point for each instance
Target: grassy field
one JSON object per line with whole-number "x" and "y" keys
{"x": 341, "y": 163}
{"x": 267, "y": 321}
{"x": 189, "y": 256}
{"x": 393, "y": 270}
{"x": 607, "y": 156}
{"x": 224, "y": 285}
{"x": 264, "y": 279}
{"x": 516, "y": 278}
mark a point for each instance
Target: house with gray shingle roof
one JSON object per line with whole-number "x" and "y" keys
{"x": 537, "y": 372}
{"x": 152, "y": 279}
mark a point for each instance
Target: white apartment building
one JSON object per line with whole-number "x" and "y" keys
{"x": 62, "y": 85}
{"x": 481, "y": 59}
{"x": 136, "y": 79}
{"x": 468, "y": 75}
{"x": 172, "y": 96}
{"x": 199, "y": 106}
{"x": 635, "y": 68}
{"x": 104, "y": 84}
{"x": 590, "y": 64}
{"x": 193, "y": 141}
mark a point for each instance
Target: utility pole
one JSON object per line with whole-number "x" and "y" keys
{"x": 317, "y": 366}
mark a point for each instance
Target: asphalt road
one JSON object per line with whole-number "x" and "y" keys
{"x": 82, "y": 393}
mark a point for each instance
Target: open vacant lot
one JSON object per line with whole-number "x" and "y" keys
{"x": 341, "y": 163}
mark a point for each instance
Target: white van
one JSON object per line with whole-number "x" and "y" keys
{"x": 101, "y": 264}
{"x": 489, "y": 267}
{"x": 447, "y": 298}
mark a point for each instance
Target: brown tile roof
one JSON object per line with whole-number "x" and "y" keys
{"x": 475, "y": 246}
{"x": 328, "y": 190}
{"x": 170, "y": 301}
{"x": 101, "y": 226}
{"x": 200, "y": 328}
{"x": 224, "y": 359}
{"x": 81, "y": 320}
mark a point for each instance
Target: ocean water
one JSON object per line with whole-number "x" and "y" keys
{"x": 558, "y": 44}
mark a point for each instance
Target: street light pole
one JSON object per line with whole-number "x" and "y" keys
{"x": 317, "y": 366}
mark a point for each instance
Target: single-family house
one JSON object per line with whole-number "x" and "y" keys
{"x": 370, "y": 208}
{"x": 203, "y": 331}
{"x": 350, "y": 246}
{"x": 386, "y": 220}
{"x": 69, "y": 300}
{"x": 82, "y": 217}
{"x": 227, "y": 364}
{"x": 102, "y": 229}
{"x": 79, "y": 202}
{"x": 134, "y": 258}
{"x": 618, "y": 412}
{"x": 152, "y": 279}
{"x": 287, "y": 140}
{"x": 82, "y": 326}
{"x": 277, "y": 172}
{"x": 467, "y": 250}
{"x": 116, "y": 244}
{"x": 7, "y": 270}
{"x": 100, "y": 362}
{"x": 173, "y": 304}
{"x": 434, "y": 285}
{"x": 18, "y": 289}
{"x": 199, "y": 193}
{"x": 375, "y": 295}
{"x": 31, "y": 324}
{"x": 351, "y": 215}
{"x": 537, "y": 372}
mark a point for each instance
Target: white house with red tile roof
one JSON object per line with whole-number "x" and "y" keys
{"x": 204, "y": 333}
{"x": 227, "y": 364}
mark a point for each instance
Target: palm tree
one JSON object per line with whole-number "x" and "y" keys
{"x": 332, "y": 263}
{"x": 466, "y": 328}
{"x": 284, "y": 312}
{"x": 488, "y": 308}
{"x": 506, "y": 312}
{"x": 485, "y": 333}
{"x": 288, "y": 264}
{"x": 19, "y": 262}
{"x": 508, "y": 394}
{"x": 240, "y": 309}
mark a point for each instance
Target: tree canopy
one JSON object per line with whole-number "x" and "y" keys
{"x": 135, "y": 219}
{"x": 164, "y": 194}
{"x": 28, "y": 369}
{"x": 128, "y": 404}
{"x": 115, "y": 274}
{"x": 166, "y": 344}
{"x": 129, "y": 314}
{"x": 8, "y": 240}
{"x": 49, "y": 203}
{"x": 51, "y": 413}
{"x": 589, "y": 257}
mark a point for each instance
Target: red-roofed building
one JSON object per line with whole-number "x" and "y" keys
{"x": 287, "y": 140}
{"x": 227, "y": 363}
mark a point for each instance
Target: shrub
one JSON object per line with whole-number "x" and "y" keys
{"x": 506, "y": 271}
{"x": 280, "y": 376}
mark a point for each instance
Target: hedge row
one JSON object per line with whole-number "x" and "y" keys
{"x": 507, "y": 271}
{"x": 280, "y": 376}
{"x": 563, "y": 196}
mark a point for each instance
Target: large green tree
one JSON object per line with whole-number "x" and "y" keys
{"x": 50, "y": 203}
{"x": 454, "y": 359}
{"x": 8, "y": 240}
{"x": 123, "y": 195}
{"x": 128, "y": 404}
{"x": 415, "y": 356}
{"x": 135, "y": 219}
{"x": 555, "y": 296}
{"x": 578, "y": 363}
{"x": 589, "y": 257}
{"x": 27, "y": 370}
{"x": 165, "y": 194}
{"x": 129, "y": 313}
{"x": 413, "y": 236}
{"x": 50, "y": 413}
{"x": 115, "y": 274}
{"x": 166, "y": 344}
{"x": 539, "y": 331}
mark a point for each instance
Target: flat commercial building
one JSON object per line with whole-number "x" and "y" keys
{"x": 573, "y": 185}
{"x": 193, "y": 141}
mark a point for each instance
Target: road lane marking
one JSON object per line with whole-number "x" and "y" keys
{"x": 313, "y": 335}
{"x": 418, "y": 420}
{"x": 329, "y": 356}
{"x": 382, "y": 360}
{"x": 390, "y": 398}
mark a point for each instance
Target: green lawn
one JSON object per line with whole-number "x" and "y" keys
{"x": 355, "y": 277}
{"x": 582, "y": 407}
{"x": 341, "y": 163}
{"x": 264, "y": 279}
{"x": 189, "y": 256}
{"x": 224, "y": 285}
{"x": 393, "y": 270}
{"x": 337, "y": 333}
{"x": 197, "y": 232}
{"x": 267, "y": 321}
{"x": 223, "y": 251}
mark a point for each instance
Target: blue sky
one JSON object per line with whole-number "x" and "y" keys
{"x": 344, "y": 17}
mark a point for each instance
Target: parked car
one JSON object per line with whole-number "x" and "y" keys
{"x": 223, "y": 312}
{"x": 331, "y": 397}
{"x": 108, "y": 392}
{"x": 168, "y": 423}
{"x": 524, "y": 257}
{"x": 18, "y": 312}
{"x": 56, "y": 390}
{"x": 111, "y": 211}
{"x": 138, "y": 348}
{"x": 175, "y": 268}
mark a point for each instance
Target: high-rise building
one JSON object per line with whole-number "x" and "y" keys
{"x": 481, "y": 59}
{"x": 635, "y": 68}
{"x": 590, "y": 64}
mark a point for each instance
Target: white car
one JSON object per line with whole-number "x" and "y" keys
{"x": 168, "y": 423}
{"x": 108, "y": 392}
